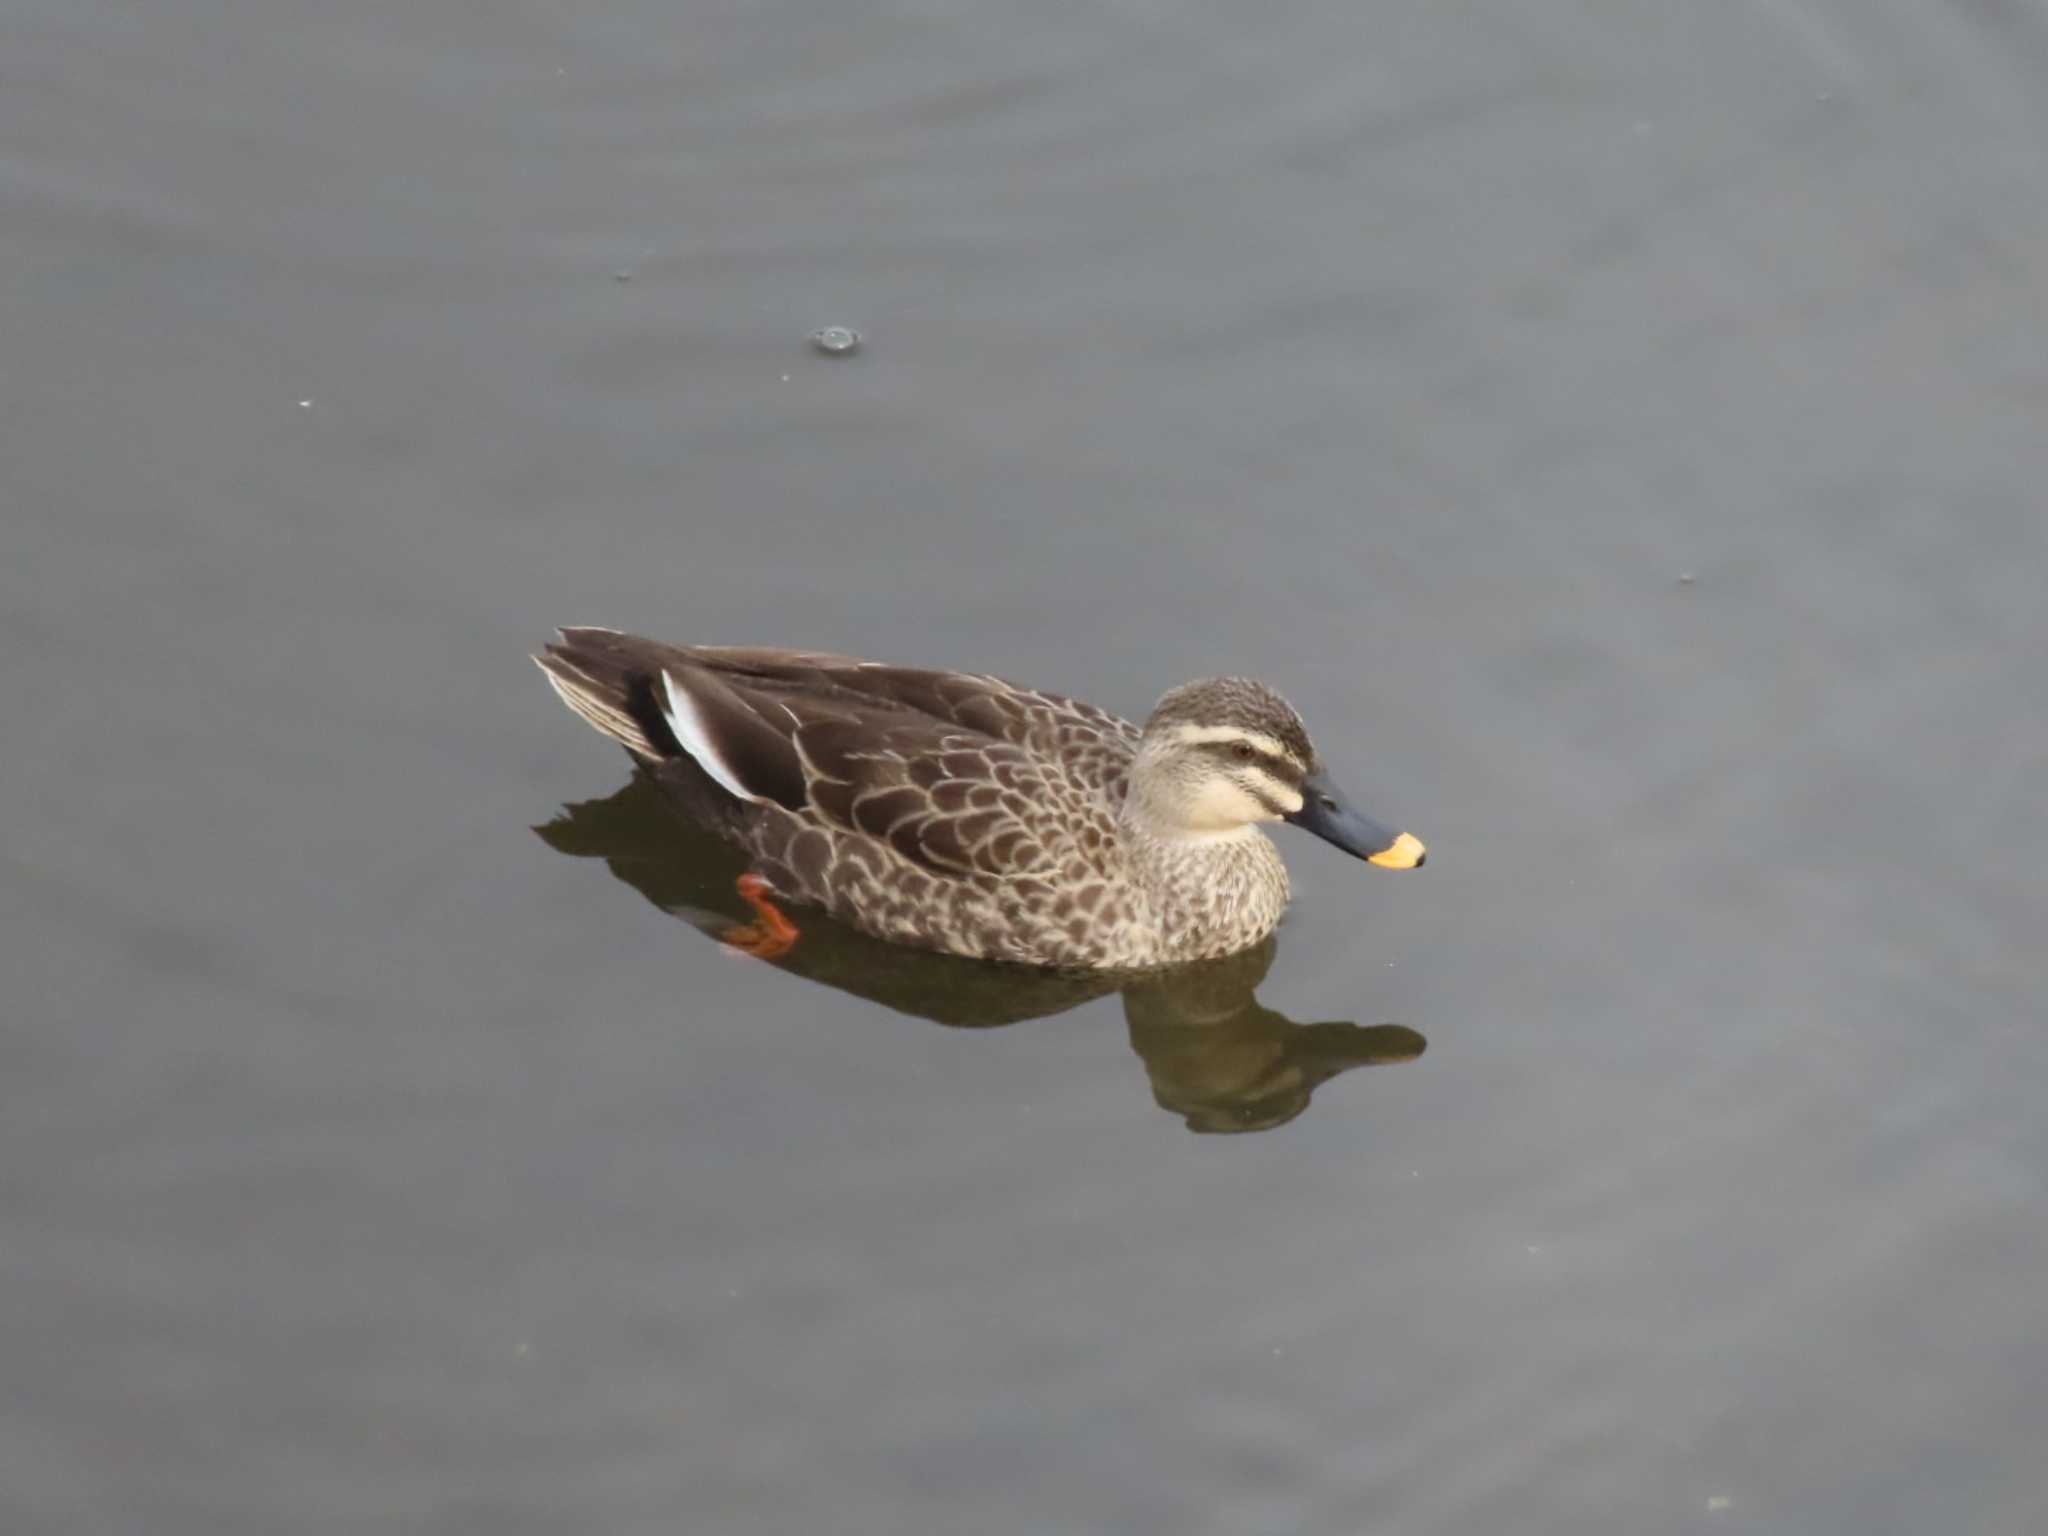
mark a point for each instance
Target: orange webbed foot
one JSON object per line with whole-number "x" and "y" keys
{"x": 771, "y": 935}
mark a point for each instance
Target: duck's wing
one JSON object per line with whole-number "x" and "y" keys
{"x": 960, "y": 774}
{"x": 1046, "y": 723}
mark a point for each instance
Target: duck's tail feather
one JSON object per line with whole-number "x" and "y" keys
{"x": 611, "y": 680}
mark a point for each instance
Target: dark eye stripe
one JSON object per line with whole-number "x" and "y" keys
{"x": 1279, "y": 767}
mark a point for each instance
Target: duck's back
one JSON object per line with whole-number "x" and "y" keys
{"x": 1089, "y": 746}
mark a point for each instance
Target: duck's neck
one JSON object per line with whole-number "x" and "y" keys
{"x": 1214, "y": 892}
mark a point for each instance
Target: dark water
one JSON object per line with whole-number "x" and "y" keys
{"x": 369, "y": 1164}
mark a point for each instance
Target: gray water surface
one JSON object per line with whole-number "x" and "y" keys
{"x": 1617, "y": 426}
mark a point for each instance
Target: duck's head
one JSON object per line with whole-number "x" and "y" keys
{"x": 1224, "y": 753}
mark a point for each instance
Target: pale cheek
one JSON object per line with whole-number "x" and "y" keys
{"x": 1289, "y": 799}
{"x": 1222, "y": 804}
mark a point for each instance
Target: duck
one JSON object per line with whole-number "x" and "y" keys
{"x": 958, "y": 812}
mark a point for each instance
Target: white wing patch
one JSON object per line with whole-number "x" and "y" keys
{"x": 687, "y": 722}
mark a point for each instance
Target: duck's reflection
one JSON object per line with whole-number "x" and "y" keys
{"x": 1215, "y": 1057}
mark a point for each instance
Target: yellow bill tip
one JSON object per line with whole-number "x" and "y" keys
{"x": 1406, "y": 853}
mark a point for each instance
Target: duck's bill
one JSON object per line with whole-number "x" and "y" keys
{"x": 1325, "y": 812}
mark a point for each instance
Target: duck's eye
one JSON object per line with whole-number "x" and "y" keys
{"x": 1243, "y": 751}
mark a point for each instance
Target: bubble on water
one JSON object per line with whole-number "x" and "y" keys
{"x": 836, "y": 340}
